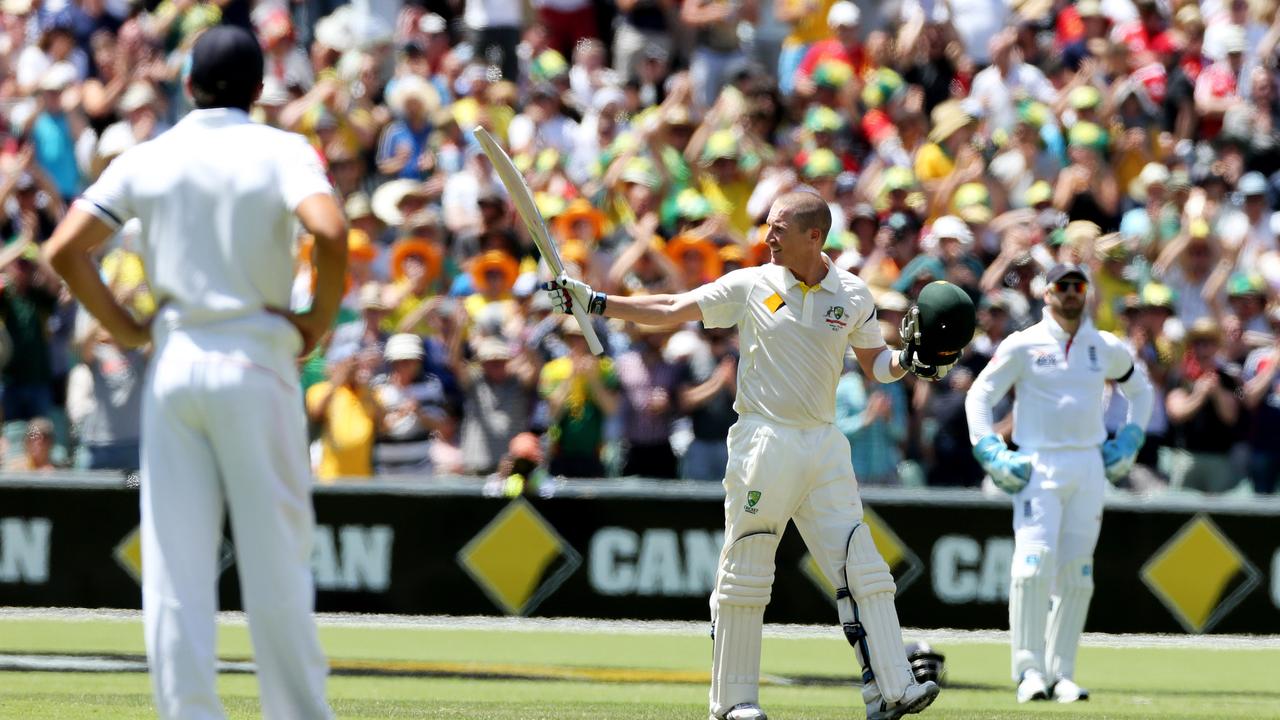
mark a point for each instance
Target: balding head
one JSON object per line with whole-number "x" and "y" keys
{"x": 806, "y": 211}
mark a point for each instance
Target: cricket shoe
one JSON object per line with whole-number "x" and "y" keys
{"x": 743, "y": 711}
{"x": 1032, "y": 687}
{"x": 917, "y": 697}
{"x": 1066, "y": 691}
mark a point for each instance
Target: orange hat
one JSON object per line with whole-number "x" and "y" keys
{"x": 575, "y": 251}
{"x": 580, "y": 209}
{"x": 406, "y": 248}
{"x": 760, "y": 254}
{"x": 359, "y": 247}
{"x": 679, "y": 246}
{"x": 495, "y": 261}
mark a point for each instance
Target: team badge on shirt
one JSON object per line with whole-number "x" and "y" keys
{"x": 1093, "y": 359}
{"x": 753, "y": 497}
{"x": 834, "y": 318}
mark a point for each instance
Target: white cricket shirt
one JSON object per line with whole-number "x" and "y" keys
{"x": 793, "y": 340}
{"x": 1059, "y": 382}
{"x": 215, "y": 196}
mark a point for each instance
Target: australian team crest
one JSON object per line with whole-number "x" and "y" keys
{"x": 835, "y": 318}
{"x": 753, "y": 498}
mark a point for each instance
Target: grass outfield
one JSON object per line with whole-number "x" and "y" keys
{"x": 561, "y": 674}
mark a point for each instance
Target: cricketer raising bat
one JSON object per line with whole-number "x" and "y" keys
{"x": 523, "y": 199}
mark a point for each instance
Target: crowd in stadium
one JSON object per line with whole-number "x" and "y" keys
{"x": 976, "y": 141}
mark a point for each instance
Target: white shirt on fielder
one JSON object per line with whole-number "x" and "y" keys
{"x": 1059, "y": 381}
{"x": 792, "y": 340}
{"x": 216, "y": 196}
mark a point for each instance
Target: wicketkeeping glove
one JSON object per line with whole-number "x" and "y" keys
{"x": 1009, "y": 469}
{"x": 907, "y": 357}
{"x": 1119, "y": 453}
{"x": 564, "y": 289}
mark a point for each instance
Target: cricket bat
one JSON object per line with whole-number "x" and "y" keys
{"x": 523, "y": 200}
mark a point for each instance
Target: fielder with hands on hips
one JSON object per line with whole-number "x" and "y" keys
{"x": 1059, "y": 369}
{"x": 796, "y": 317}
{"x": 219, "y": 198}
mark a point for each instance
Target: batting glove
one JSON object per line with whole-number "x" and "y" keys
{"x": 907, "y": 358}
{"x": 564, "y": 289}
{"x": 1119, "y": 453}
{"x": 1009, "y": 469}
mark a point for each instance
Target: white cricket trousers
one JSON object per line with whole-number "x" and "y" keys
{"x": 775, "y": 474}
{"x": 1056, "y": 521}
{"x": 221, "y": 434}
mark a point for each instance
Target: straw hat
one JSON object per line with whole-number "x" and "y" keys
{"x": 388, "y": 197}
{"x": 492, "y": 348}
{"x": 1152, "y": 174}
{"x": 371, "y": 297}
{"x": 414, "y": 87}
{"x": 410, "y": 247}
{"x": 681, "y": 245}
{"x": 733, "y": 253}
{"x": 578, "y": 210}
{"x": 495, "y": 261}
{"x": 948, "y": 117}
{"x": 357, "y": 206}
{"x": 1204, "y": 328}
{"x": 404, "y": 346}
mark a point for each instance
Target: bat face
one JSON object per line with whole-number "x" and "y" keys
{"x": 523, "y": 200}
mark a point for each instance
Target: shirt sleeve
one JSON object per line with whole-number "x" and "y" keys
{"x": 990, "y": 386}
{"x": 110, "y": 198}
{"x": 724, "y": 301}
{"x": 301, "y": 172}
{"x": 866, "y": 331}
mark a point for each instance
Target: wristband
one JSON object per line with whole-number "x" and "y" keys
{"x": 883, "y": 368}
{"x": 597, "y": 303}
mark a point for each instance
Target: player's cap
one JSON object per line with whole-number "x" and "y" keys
{"x": 947, "y": 322}
{"x": 1062, "y": 271}
{"x": 404, "y": 346}
{"x": 226, "y": 67}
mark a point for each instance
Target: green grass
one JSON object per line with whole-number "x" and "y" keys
{"x": 1162, "y": 683}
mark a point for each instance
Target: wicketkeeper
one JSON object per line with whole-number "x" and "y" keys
{"x": 1060, "y": 368}
{"x": 796, "y": 318}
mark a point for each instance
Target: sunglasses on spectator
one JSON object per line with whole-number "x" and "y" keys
{"x": 1064, "y": 286}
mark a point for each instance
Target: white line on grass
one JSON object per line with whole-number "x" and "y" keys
{"x": 658, "y": 627}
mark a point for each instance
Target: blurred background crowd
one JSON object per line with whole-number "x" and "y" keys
{"x": 977, "y": 141}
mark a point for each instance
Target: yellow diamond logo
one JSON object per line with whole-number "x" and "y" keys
{"x": 1199, "y": 575}
{"x": 518, "y": 559}
{"x": 903, "y": 563}
{"x": 128, "y": 553}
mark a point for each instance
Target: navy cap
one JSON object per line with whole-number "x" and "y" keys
{"x": 1065, "y": 270}
{"x": 226, "y": 67}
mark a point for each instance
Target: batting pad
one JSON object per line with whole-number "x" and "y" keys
{"x": 872, "y": 587}
{"x": 1029, "y": 607}
{"x": 1066, "y": 620}
{"x": 743, "y": 587}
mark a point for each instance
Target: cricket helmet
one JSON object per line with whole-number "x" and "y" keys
{"x": 945, "y": 323}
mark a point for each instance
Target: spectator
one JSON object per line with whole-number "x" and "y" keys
{"x": 581, "y": 392}
{"x": 37, "y": 448}
{"x": 521, "y": 470}
{"x": 875, "y": 423}
{"x": 497, "y": 386}
{"x": 1204, "y": 414}
{"x": 104, "y": 402}
{"x": 717, "y": 43}
{"x": 346, "y": 415}
{"x": 1262, "y": 398}
{"x": 412, "y": 407}
{"x": 707, "y": 383}
{"x": 28, "y": 299}
{"x": 641, "y": 34}
{"x": 649, "y": 387}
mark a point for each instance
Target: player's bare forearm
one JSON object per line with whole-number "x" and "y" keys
{"x": 69, "y": 252}
{"x": 322, "y": 218}
{"x": 653, "y": 309}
